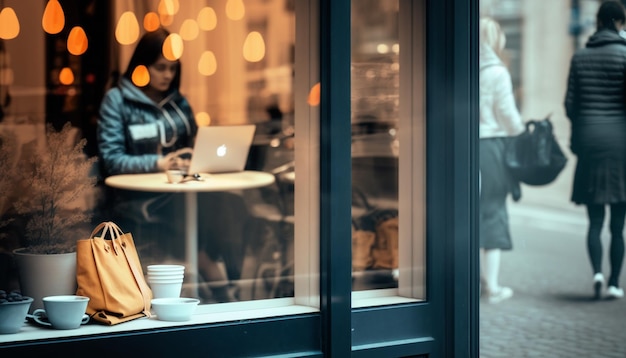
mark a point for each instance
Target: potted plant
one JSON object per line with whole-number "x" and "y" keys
{"x": 9, "y": 236}
{"x": 55, "y": 184}
{"x": 8, "y": 182}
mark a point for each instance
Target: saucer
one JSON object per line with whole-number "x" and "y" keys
{"x": 31, "y": 319}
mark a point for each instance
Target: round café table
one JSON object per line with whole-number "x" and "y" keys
{"x": 158, "y": 183}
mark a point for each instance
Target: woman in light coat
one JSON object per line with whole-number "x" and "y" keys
{"x": 499, "y": 121}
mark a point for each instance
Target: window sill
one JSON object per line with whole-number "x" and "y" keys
{"x": 204, "y": 314}
{"x": 381, "y": 297}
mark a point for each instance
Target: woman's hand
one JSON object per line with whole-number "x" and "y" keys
{"x": 175, "y": 160}
{"x": 167, "y": 162}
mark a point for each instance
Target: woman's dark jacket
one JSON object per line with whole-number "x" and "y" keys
{"x": 133, "y": 130}
{"x": 595, "y": 103}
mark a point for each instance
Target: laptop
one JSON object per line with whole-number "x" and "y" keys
{"x": 221, "y": 149}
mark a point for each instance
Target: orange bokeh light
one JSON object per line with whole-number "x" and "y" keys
{"x": 151, "y": 21}
{"x": 127, "y": 29}
{"x": 235, "y": 9}
{"x": 168, "y": 7}
{"x": 66, "y": 76}
{"x": 314, "y": 95}
{"x": 166, "y": 20}
{"x": 254, "y": 47}
{"x": 140, "y": 76}
{"x": 77, "y": 42}
{"x": 53, "y": 19}
{"x": 207, "y": 19}
{"x": 9, "y": 24}
{"x": 189, "y": 30}
{"x": 207, "y": 64}
{"x": 173, "y": 47}
{"x": 203, "y": 119}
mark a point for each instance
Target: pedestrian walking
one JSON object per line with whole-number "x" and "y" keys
{"x": 499, "y": 121}
{"x": 595, "y": 104}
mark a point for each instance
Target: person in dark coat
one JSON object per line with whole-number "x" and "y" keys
{"x": 141, "y": 126}
{"x": 595, "y": 103}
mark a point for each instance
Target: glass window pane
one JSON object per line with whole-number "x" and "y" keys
{"x": 375, "y": 100}
{"x": 239, "y": 244}
{"x": 387, "y": 121}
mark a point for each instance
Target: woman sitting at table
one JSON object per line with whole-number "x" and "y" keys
{"x": 139, "y": 130}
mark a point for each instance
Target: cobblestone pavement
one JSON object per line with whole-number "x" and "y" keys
{"x": 552, "y": 313}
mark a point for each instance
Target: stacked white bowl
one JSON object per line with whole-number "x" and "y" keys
{"x": 166, "y": 281}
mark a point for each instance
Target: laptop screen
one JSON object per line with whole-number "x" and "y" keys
{"x": 221, "y": 149}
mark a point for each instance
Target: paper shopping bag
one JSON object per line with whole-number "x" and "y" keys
{"x": 109, "y": 272}
{"x": 385, "y": 249}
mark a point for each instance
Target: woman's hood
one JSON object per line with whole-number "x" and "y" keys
{"x": 488, "y": 57}
{"x": 605, "y": 37}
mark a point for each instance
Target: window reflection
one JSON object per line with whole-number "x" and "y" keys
{"x": 223, "y": 86}
{"x": 375, "y": 119}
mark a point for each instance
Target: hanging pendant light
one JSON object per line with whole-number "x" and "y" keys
{"x": 314, "y": 95}
{"x": 189, "y": 30}
{"x": 77, "y": 42}
{"x": 166, "y": 20}
{"x": 151, "y": 21}
{"x": 203, "y": 119}
{"x": 9, "y": 24}
{"x": 207, "y": 64}
{"x": 140, "y": 76}
{"x": 53, "y": 19}
{"x": 207, "y": 19}
{"x": 166, "y": 10}
{"x": 169, "y": 7}
{"x": 127, "y": 29}
{"x": 173, "y": 47}
{"x": 235, "y": 9}
{"x": 254, "y": 47}
{"x": 66, "y": 76}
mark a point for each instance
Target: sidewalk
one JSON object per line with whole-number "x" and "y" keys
{"x": 552, "y": 313}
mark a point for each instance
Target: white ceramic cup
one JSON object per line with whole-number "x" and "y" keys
{"x": 166, "y": 268}
{"x": 175, "y": 176}
{"x": 167, "y": 289}
{"x": 165, "y": 274}
{"x": 62, "y": 312}
{"x": 165, "y": 280}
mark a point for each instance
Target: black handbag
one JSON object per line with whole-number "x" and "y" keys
{"x": 535, "y": 157}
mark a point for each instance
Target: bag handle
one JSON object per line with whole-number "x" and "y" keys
{"x": 97, "y": 229}
{"x": 111, "y": 228}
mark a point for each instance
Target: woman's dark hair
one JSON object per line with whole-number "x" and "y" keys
{"x": 609, "y": 12}
{"x": 148, "y": 51}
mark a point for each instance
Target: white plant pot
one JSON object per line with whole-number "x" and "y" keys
{"x": 46, "y": 275}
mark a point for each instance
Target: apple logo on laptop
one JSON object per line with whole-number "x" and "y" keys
{"x": 221, "y": 150}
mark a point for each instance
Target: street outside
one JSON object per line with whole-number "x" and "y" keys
{"x": 552, "y": 313}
